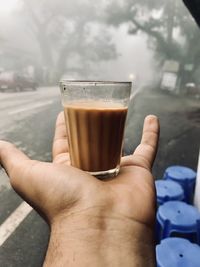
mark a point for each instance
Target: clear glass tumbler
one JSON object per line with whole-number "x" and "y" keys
{"x": 95, "y": 114}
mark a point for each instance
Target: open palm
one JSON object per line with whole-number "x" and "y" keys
{"x": 57, "y": 189}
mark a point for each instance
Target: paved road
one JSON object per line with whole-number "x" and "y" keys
{"x": 180, "y": 128}
{"x": 27, "y": 119}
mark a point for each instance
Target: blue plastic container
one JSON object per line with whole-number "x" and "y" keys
{"x": 177, "y": 252}
{"x": 186, "y": 177}
{"x": 168, "y": 190}
{"x": 176, "y": 218}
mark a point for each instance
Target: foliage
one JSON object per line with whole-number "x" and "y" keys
{"x": 65, "y": 31}
{"x": 171, "y": 29}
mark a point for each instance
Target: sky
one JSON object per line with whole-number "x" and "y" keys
{"x": 7, "y": 6}
{"x": 134, "y": 58}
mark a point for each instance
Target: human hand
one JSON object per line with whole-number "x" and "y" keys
{"x": 80, "y": 208}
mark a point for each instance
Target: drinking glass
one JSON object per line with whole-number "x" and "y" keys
{"x": 95, "y": 115}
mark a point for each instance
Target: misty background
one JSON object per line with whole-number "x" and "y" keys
{"x": 154, "y": 43}
{"x": 112, "y": 39}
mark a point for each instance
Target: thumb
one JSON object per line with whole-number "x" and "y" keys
{"x": 25, "y": 174}
{"x": 43, "y": 185}
{"x": 18, "y": 166}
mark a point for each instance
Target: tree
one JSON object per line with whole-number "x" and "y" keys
{"x": 171, "y": 29}
{"x": 66, "y": 36}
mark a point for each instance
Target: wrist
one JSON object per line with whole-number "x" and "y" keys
{"x": 101, "y": 241}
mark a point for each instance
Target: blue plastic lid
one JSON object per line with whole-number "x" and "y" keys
{"x": 177, "y": 252}
{"x": 179, "y": 214}
{"x": 168, "y": 190}
{"x": 178, "y": 173}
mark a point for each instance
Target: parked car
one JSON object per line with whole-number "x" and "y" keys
{"x": 16, "y": 82}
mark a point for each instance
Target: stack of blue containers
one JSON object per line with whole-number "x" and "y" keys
{"x": 178, "y": 222}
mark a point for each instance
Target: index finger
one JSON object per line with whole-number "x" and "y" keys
{"x": 60, "y": 143}
{"x": 145, "y": 153}
{"x": 148, "y": 147}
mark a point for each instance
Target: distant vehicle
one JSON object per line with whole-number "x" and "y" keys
{"x": 17, "y": 82}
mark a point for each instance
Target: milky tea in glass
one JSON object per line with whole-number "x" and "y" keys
{"x": 95, "y": 115}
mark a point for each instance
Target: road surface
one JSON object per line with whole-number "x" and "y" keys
{"x": 27, "y": 119}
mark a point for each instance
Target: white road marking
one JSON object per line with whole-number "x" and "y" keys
{"x": 38, "y": 105}
{"x": 13, "y": 221}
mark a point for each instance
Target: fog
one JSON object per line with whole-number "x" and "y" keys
{"x": 131, "y": 59}
{"x": 135, "y": 60}
{"x": 111, "y": 40}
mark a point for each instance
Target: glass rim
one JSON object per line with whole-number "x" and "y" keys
{"x": 94, "y": 82}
